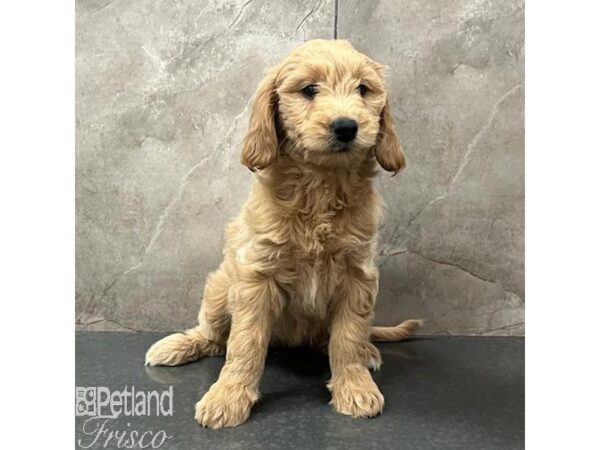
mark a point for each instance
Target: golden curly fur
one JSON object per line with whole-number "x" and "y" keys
{"x": 298, "y": 261}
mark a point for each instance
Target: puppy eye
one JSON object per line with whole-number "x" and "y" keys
{"x": 362, "y": 90}
{"x": 310, "y": 91}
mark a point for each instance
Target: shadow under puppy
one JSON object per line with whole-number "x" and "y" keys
{"x": 298, "y": 263}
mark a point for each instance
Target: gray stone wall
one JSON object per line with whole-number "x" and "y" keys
{"x": 163, "y": 91}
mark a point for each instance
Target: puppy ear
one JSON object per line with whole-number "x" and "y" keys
{"x": 260, "y": 144}
{"x": 388, "y": 151}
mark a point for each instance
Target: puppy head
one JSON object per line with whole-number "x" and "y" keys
{"x": 326, "y": 104}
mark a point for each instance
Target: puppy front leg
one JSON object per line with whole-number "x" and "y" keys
{"x": 228, "y": 401}
{"x": 353, "y": 391}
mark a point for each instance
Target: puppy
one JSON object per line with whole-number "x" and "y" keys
{"x": 298, "y": 265}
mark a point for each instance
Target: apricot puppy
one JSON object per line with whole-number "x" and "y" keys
{"x": 298, "y": 263}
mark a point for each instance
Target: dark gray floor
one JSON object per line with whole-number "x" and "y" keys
{"x": 440, "y": 393}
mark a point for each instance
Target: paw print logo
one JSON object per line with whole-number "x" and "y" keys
{"x": 85, "y": 401}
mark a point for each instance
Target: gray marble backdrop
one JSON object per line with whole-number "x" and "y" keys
{"x": 163, "y": 91}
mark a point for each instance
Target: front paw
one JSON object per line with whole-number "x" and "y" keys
{"x": 225, "y": 405}
{"x": 356, "y": 395}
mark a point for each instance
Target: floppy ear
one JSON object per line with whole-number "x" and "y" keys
{"x": 388, "y": 151}
{"x": 260, "y": 144}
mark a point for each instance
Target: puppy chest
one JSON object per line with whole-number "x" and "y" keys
{"x": 315, "y": 282}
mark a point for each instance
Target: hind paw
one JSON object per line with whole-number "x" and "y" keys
{"x": 171, "y": 351}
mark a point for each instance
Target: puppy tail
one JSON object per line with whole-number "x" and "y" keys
{"x": 396, "y": 333}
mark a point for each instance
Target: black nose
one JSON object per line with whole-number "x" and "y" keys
{"x": 344, "y": 129}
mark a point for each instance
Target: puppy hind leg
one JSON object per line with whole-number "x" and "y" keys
{"x": 181, "y": 348}
{"x": 373, "y": 357}
{"x": 208, "y": 338}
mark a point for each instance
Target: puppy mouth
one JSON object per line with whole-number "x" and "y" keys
{"x": 340, "y": 147}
